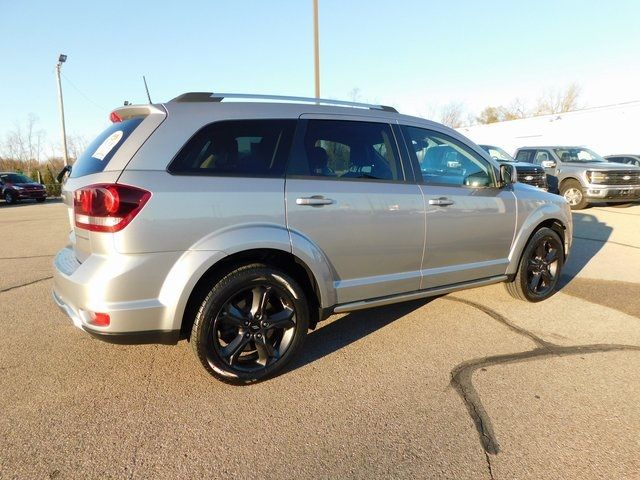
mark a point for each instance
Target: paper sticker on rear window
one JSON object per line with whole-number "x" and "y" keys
{"x": 106, "y": 146}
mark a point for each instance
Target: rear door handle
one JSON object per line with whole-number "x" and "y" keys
{"x": 314, "y": 201}
{"x": 441, "y": 202}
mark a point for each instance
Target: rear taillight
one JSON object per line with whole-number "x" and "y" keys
{"x": 107, "y": 207}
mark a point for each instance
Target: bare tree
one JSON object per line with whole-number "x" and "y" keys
{"x": 25, "y": 143}
{"x": 452, "y": 114}
{"x": 355, "y": 94}
{"x": 558, "y": 101}
{"x": 76, "y": 144}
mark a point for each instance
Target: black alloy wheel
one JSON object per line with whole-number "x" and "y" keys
{"x": 250, "y": 324}
{"x": 540, "y": 267}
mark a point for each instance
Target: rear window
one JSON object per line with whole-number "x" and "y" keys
{"x": 99, "y": 152}
{"x": 246, "y": 148}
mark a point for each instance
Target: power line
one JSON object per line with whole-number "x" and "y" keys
{"x": 82, "y": 93}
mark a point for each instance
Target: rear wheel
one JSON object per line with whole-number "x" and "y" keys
{"x": 540, "y": 267}
{"x": 9, "y": 197}
{"x": 250, "y": 324}
{"x": 573, "y": 193}
{"x": 40, "y": 200}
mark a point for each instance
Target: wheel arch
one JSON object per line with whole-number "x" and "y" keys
{"x": 275, "y": 258}
{"x": 556, "y": 221}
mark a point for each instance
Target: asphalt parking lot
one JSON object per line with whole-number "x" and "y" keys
{"x": 469, "y": 385}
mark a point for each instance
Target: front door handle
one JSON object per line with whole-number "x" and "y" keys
{"x": 316, "y": 200}
{"x": 441, "y": 202}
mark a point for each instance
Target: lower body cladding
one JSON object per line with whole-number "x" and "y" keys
{"x": 130, "y": 299}
{"x": 619, "y": 193}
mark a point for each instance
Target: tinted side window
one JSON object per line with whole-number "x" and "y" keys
{"x": 244, "y": 148}
{"x": 444, "y": 160}
{"x": 99, "y": 152}
{"x": 350, "y": 150}
{"x": 524, "y": 156}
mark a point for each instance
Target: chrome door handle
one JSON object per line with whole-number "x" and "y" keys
{"x": 441, "y": 202}
{"x": 314, "y": 201}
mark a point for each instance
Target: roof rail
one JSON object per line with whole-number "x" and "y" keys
{"x": 218, "y": 97}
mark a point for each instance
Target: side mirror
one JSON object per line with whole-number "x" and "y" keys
{"x": 508, "y": 175}
{"x": 548, "y": 164}
{"x": 63, "y": 172}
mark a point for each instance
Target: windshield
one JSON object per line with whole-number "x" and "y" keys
{"x": 15, "y": 178}
{"x": 578, "y": 155}
{"x": 497, "y": 153}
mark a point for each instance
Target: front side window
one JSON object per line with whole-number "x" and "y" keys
{"x": 244, "y": 148}
{"x": 349, "y": 150}
{"x": 578, "y": 155}
{"x": 523, "y": 156}
{"x": 444, "y": 160}
{"x": 497, "y": 153}
{"x": 541, "y": 156}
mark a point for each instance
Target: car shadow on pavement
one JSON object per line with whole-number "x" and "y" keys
{"x": 350, "y": 328}
{"x": 589, "y": 236}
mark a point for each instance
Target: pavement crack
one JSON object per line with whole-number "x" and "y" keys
{"x": 462, "y": 374}
{"x": 503, "y": 320}
{"x": 26, "y": 284}
{"x": 486, "y": 455}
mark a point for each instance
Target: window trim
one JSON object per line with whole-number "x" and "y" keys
{"x": 298, "y": 153}
{"x": 416, "y": 165}
{"x": 205, "y": 173}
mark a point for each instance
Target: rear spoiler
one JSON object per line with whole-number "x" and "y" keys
{"x": 134, "y": 111}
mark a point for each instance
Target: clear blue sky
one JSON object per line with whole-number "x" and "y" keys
{"x": 413, "y": 54}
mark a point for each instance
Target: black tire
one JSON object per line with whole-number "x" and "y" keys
{"x": 573, "y": 193}
{"x": 40, "y": 200}
{"x": 539, "y": 269}
{"x": 234, "y": 332}
{"x": 10, "y": 198}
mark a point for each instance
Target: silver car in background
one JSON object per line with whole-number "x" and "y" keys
{"x": 241, "y": 225}
{"x": 582, "y": 176}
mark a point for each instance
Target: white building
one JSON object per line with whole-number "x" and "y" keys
{"x": 607, "y": 130}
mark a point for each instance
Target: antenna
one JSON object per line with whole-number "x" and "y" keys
{"x": 146, "y": 88}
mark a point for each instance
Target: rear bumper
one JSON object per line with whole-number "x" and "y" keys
{"x": 124, "y": 286}
{"x": 165, "y": 337}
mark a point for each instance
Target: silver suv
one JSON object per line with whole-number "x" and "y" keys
{"x": 582, "y": 176}
{"x": 241, "y": 225}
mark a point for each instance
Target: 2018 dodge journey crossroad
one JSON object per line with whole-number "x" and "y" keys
{"x": 240, "y": 225}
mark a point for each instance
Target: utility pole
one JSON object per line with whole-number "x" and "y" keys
{"x": 61, "y": 60}
{"x": 316, "y": 48}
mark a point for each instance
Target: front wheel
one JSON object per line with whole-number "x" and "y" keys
{"x": 540, "y": 267}
{"x": 10, "y": 198}
{"x": 250, "y": 324}
{"x": 573, "y": 193}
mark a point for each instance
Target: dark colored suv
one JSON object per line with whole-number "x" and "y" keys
{"x": 16, "y": 186}
{"x": 529, "y": 173}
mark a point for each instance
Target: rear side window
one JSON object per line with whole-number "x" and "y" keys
{"x": 246, "y": 148}
{"x": 99, "y": 152}
{"x": 349, "y": 150}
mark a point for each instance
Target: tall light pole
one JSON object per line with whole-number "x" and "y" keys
{"x": 61, "y": 60}
{"x": 316, "y": 48}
